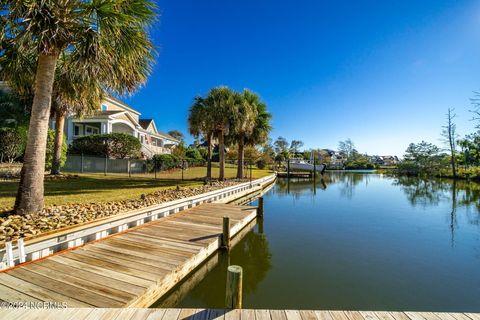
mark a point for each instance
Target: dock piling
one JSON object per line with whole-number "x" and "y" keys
{"x": 233, "y": 298}
{"x": 260, "y": 207}
{"x": 226, "y": 233}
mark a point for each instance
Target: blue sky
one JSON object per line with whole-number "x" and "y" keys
{"x": 382, "y": 73}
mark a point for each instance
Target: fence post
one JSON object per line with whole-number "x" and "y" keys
{"x": 233, "y": 297}
{"x": 251, "y": 164}
{"x": 9, "y": 254}
{"x": 81, "y": 162}
{"x": 128, "y": 168}
{"x": 21, "y": 250}
{"x": 105, "y": 165}
{"x": 183, "y": 167}
{"x": 155, "y": 168}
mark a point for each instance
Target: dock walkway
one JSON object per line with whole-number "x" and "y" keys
{"x": 210, "y": 314}
{"x": 129, "y": 269}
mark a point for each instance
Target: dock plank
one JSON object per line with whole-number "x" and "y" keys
{"x": 210, "y": 314}
{"x": 130, "y": 269}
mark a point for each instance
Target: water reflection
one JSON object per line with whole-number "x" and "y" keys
{"x": 252, "y": 252}
{"x": 365, "y": 242}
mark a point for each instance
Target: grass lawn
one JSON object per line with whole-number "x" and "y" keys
{"x": 99, "y": 188}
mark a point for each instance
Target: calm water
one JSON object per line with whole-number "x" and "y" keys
{"x": 356, "y": 241}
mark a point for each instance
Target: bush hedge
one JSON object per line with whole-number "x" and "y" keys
{"x": 49, "y": 151}
{"x": 165, "y": 161}
{"x": 12, "y": 143}
{"x": 112, "y": 145}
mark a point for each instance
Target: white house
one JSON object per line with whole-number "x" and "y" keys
{"x": 114, "y": 116}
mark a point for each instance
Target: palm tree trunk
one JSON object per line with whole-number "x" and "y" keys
{"x": 57, "y": 148}
{"x": 209, "y": 156}
{"x": 30, "y": 191}
{"x": 221, "y": 153}
{"x": 241, "y": 156}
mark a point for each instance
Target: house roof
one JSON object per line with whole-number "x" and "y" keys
{"x": 144, "y": 123}
{"x": 123, "y": 104}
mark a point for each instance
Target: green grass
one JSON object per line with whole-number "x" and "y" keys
{"x": 99, "y": 188}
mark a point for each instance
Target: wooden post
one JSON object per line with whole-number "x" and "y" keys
{"x": 288, "y": 168}
{"x": 226, "y": 233}
{"x": 260, "y": 207}
{"x": 155, "y": 168}
{"x": 128, "y": 167}
{"x": 233, "y": 298}
{"x": 21, "y": 250}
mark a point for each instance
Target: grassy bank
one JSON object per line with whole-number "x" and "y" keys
{"x": 88, "y": 188}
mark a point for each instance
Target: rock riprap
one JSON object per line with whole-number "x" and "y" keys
{"x": 56, "y": 217}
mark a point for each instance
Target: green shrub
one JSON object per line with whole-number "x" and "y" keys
{"x": 261, "y": 164}
{"x": 165, "y": 161}
{"x": 193, "y": 154}
{"x": 113, "y": 145}
{"x": 49, "y": 150}
{"x": 12, "y": 143}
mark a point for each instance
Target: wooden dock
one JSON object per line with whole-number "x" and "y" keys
{"x": 209, "y": 314}
{"x": 295, "y": 174}
{"x": 128, "y": 269}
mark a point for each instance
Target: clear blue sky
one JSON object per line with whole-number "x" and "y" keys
{"x": 382, "y": 73}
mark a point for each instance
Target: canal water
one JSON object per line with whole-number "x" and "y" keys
{"x": 353, "y": 241}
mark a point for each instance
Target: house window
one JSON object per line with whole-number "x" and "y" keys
{"x": 89, "y": 130}
{"x": 77, "y": 131}
{"x": 104, "y": 107}
{"x": 142, "y": 138}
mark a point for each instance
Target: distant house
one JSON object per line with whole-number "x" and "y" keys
{"x": 337, "y": 159}
{"x": 384, "y": 160}
{"x": 114, "y": 116}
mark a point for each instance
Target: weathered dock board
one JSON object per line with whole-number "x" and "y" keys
{"x": 208, "y": 314}
{"x": 129, "y": 269}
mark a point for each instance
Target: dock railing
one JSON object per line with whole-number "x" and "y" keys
{"x": 34, "y": 248}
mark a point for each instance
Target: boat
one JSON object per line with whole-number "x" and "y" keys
{"x": 306, "y": 165}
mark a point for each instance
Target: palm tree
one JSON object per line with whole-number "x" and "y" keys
{"x": 222, "y": 103}
{"x": 262, "y": 127}
{"x": 199, "y": 123}
{"x": 97, "y": 33}
{"x": 243, "y": 124}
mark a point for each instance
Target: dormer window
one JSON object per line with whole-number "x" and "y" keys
{"x": 104, "y": 107}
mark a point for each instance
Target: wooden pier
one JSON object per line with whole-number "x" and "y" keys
{"x": 210, "y": 314}
{"x": 295, "y": 174}
{"x": 133, "y": 268}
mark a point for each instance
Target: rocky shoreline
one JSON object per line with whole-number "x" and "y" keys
{"x": 55, "y": 217}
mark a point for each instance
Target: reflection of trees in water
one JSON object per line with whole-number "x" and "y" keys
{"x": 347, "y": 181}
{"x": 431, "y": 192}
{"x": 252, "y": 253}
{"x": 296, "y": 187}
{"x": 423, "y": 192}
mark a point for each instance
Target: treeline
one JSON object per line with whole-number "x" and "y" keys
{"x": 459, "y": 157}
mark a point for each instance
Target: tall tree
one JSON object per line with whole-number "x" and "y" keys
{"x": 281, "y": 145}
{"x": 176, "y": 134}
{"x": 222, "y": 103}
{"x": 96, "y": 33}
{"x": 347, "y": 147}
{"x": 450, "y": 136}
{"x": 295, "y": 146}
{"x": 200, "y": 123}
{"x": 243, "y": 124}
